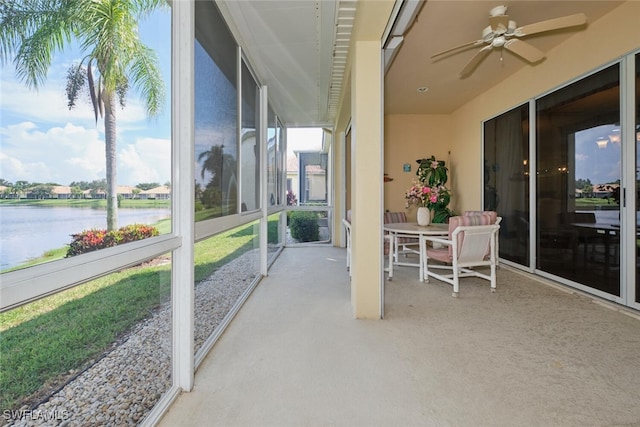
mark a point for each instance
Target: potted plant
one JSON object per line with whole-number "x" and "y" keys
{"x": 430, "y": 190}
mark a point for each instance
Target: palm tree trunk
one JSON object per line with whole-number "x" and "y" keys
{"x": 110, "y": 151}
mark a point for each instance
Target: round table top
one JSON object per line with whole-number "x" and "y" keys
{"x": 414, "y": 228}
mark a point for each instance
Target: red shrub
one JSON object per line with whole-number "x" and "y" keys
{"x": 94, "y": 239}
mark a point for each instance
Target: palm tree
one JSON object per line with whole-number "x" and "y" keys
{"x": 220, "y": 164}
{"x": 221, "y": 190}
{"x": 32, "y": 31}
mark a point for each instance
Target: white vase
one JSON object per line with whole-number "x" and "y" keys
{"x": 424, "y": 216}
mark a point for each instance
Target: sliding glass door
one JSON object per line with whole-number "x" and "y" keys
{"x": 578, "y": 150}
{"x": 506, "y": 180}
{"x": 563, "y": 171}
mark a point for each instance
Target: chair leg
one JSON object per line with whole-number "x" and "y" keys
{"x": 456, "y": 281}
{"x": 493, "y": 277}
{"x": 425, "y": 269}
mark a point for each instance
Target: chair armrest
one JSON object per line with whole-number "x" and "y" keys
{"x": 437, "y": 239}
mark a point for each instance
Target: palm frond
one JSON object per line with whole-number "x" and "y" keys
{"x": 100, "y": 101}
{"x": 92, "y": 91}
{"x": 75, "y": 82}
{"x": 122, "y": 59}
{"x": 147, "y": 79}
{"x": 35, "y": 30}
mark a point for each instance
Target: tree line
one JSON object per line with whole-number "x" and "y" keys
{"x": 40, "y": 190}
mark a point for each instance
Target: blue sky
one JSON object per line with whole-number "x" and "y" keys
{"x": 42, "y": 141}
{"x": 600, "y": 165}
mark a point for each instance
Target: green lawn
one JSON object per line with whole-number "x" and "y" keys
{"x": 596, "y": 203}
{"x": 42, "y": 341}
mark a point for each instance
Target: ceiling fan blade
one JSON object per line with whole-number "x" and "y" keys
{"x": 473, "y": 63}
{"x": 453, "y": 49}
{"x": 525, "y": 50}
{"x": 551, "y": 24}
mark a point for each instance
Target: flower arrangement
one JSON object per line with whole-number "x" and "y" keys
{"x": 434, "y": 197}
{"x": 429, "y": 190}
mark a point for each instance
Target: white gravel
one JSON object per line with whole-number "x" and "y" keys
{"x": 125, "y": 384}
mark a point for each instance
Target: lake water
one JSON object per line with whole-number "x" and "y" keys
{"x": 26, "y": 232}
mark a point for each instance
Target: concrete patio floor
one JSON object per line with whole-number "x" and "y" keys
{"x": 530, "y": 354}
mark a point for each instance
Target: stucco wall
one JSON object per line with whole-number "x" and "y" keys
{"x": 407, "y": 139}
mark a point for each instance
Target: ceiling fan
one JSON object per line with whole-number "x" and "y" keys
{"x": 503, "y": 33}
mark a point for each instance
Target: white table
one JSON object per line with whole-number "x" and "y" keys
{"x": 411, "y": 229}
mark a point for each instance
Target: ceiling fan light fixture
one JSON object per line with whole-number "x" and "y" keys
{"x": 422, "y": 89}
{"x": 487, "y": 33}
{"x": 499, "y": 41}
{"x": 498, "y": 11}
{"x": 614, "y": 136}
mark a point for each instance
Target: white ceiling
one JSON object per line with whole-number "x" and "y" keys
{"x": 292, "y": 45}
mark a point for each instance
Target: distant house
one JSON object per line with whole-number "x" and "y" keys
{"x": 310, "y": 184}
{"x": 95, "y": 194}
{"x": 159, "y": 193}
{"x": 292, "y": 174}
{"x": 61, "y": 192}
{"x": 125, "y": 191}
{"x": 605, "y": 190}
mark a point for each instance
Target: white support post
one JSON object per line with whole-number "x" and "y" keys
{"x": 182, "y": 135}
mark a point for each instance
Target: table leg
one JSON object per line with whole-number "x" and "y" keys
{"x": 422, "y": 256}
{"x": 392, "y": 240}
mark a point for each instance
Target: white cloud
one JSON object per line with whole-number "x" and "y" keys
{"x": 74, "y": 153}
{"x": 147, "y": 160}
{"x": 49, "y": 105}
{"x": 51, "y": 155}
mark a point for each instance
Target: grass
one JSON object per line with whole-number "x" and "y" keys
{"x": 50, "y": 255}
{"x": 41, "y": 342}
{"x": 596, "y": 203}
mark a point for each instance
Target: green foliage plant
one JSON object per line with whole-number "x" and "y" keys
{"x": 304, "y": 226}
{"x": 433, "y": 173}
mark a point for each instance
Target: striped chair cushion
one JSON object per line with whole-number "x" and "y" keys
{"x": 493, "y": 215}
{"x": 446, "y": 254}
{"x": 395, "y": 217}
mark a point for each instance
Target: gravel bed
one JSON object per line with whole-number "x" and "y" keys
{"x": 127, "y": 382}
